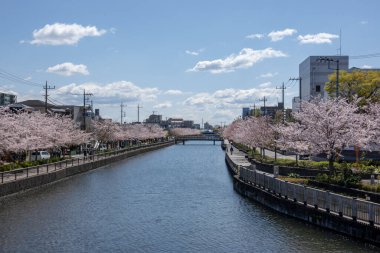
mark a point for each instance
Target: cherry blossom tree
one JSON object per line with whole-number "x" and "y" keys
{"x": 110, "y": 132}
{"x": 326, "y": 126}
{"x": 22, "y": 131}
{"x": 253, "y": 132}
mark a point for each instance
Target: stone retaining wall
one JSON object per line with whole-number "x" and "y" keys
{"x": 343, "y": 225}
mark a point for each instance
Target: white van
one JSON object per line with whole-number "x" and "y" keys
{"x": 39, "y": 155}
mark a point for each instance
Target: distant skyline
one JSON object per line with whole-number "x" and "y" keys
{"x": 191, "y": 59}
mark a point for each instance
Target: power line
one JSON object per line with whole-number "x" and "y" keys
{"x": 15, "y": 78}
{"x": 365, "y": 56}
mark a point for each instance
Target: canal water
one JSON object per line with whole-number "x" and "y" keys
{"x": 177, "y": 199}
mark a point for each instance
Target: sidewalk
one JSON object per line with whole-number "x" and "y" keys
{"x": 271, "y": 154}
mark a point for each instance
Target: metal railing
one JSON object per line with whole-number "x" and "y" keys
{"x": 199, "y": 137}
{"x": 21, "y": 173}
{"x": 356, "y": 209}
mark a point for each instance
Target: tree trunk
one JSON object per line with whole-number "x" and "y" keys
{"x": 357, "y": 152}
{"x": 331, "y": 165}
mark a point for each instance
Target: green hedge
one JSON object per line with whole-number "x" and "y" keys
{"x": 25, "y": 164}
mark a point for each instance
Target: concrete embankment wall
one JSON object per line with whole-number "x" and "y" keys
{"x": 317, "y": 217}
{"x": 42, "y": 179}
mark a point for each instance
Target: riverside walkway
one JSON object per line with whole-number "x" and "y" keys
{"x": 22, "y": 173}
{"x": 337, "y": 205}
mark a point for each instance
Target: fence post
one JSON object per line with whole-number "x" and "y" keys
{"x": 38, "y": 170}
{"x": 371, "y": 214}
{"x": 286, "y": 189}
{"x": 328, "y": 201}
{"x": 47, "y": 168}
{"x": 340, "y": 208}
{"x": 354, "y": 209}
{"x": 276, "y": 170}
{"x": 315, "y": 199}
{"x": 306, "y": 190}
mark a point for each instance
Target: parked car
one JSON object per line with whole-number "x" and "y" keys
{"x": 102, "y": 147}
{"x": 39, "y": 155}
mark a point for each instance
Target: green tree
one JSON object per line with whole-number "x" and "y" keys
{"x": 363, "y": 84}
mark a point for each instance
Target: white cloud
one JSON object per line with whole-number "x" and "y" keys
{"x": 108, "y": 93}
{"x": 268, "y": 75}
{"x": 366, "y": 67}
{"x": 68, "y": 69}
{"x": 164, "y": 105}
{"x": 364, "y": 22}
{"x": 320, "y": 38}
{"x": 195, "y": 53}
{"x": 245, "y": 59}
{"x": 255, "y": 36}
{"x": 223, "y": 114}
{"x": 192, "y": 52}
{"x": 265, "y": 85}
{"x": 173, "y": 92}
{"x": 64, "y": 34}
{"x": 279, "y": 35}
{"x": 229, "y": 98}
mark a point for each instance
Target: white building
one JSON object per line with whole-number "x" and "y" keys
{"x": 314, "y": 74}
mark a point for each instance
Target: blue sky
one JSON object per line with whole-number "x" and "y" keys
{"x": 192, "y": 59}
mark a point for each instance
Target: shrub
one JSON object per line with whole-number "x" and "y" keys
{"x": 345, "y": 178}
{"x": 370, "y": 187}
{"x": 324, "y": 178}
{"x": 293, "y": 175}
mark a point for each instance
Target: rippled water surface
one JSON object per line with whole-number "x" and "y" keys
{"x": 177, "y": 199}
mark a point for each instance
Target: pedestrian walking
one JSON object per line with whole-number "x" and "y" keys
{"x": 231, "y": 150}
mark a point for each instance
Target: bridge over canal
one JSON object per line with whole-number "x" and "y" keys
{"x": 202, "y": 137}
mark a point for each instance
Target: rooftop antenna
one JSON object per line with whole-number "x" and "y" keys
{"x": 340, "y": 41}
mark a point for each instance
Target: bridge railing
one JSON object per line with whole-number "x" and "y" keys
{"x": 199, "y": 137}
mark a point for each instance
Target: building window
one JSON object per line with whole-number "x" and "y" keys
{"x": 318, "y": 88}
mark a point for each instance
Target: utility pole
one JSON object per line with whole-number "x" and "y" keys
{"x": 298, "y": 79}
{"x": 265, "y": 110}
{"x": 84, "y": 107}
{"x": 328, "y": 60}
{"x": 138, "y": 113}
{"x": 283, "y": 101}
{"x": 122, "y": 113}
{"x": 46, "y": 88}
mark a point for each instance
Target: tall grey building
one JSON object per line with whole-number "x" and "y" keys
{"x": 314, "y": 74}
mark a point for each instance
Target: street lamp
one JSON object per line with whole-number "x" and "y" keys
{"x": 328, "y": 60}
